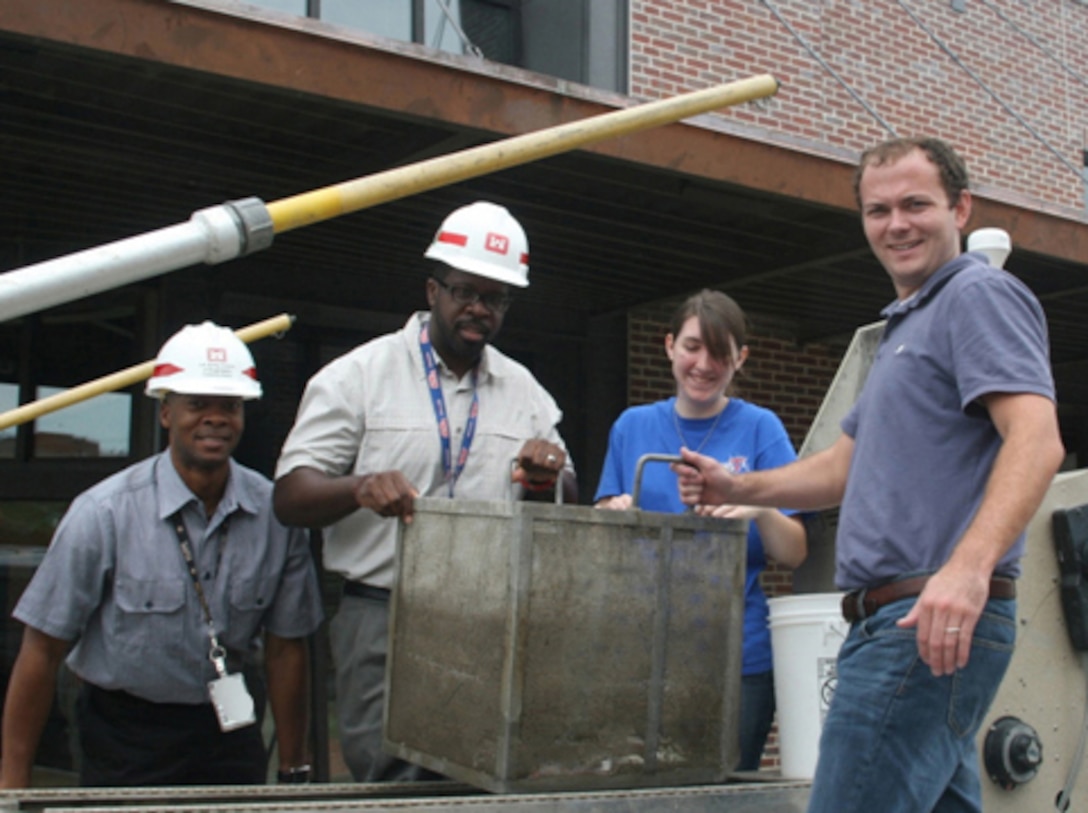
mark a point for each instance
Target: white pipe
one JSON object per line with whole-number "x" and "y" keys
{"x": 224, "y": 232}
{"x": 210, "y": 235}
{"x": 995, "y": 244}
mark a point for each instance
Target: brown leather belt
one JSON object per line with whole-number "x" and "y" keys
{"x": 859, "y": 604}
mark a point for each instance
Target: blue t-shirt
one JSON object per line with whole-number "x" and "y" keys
{"x": 923, "y": 445}
{"x": 746, "y": 438}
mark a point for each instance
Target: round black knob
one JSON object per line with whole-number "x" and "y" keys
{"x": 1012, "y": 752}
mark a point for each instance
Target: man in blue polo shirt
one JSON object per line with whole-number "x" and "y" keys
{"x": 943, "y": 460}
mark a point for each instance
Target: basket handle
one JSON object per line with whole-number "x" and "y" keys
{"x": 642, "y": 461}
{"x": 558, "y": 482}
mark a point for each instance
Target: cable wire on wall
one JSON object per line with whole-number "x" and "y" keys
{"x": 952, "y": 55}
{"x": 466, "y": 43}
{"x": 1034, "y": 41}
{"x": 812, "y": 52}
{"x": 1008, "y": 109}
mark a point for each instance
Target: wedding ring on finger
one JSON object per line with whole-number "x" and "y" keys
{"x": 951, "y": 630}
{"x": 551, "y": 459}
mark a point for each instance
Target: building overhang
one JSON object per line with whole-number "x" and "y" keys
{"x": 125, "y": 115}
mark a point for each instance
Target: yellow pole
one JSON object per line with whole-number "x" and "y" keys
{"x": 124, "y": 378}
{"x": 331, "y": 201}
{"x": 349, "y": 196}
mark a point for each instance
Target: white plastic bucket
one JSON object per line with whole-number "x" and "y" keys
{"x": 806, "y": 633}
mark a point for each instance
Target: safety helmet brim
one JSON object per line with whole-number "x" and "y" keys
{"x": 205, "y": 386}
{"x": 478, "y": 267}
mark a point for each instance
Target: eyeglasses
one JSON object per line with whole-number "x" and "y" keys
{"x": 467, "y": 295}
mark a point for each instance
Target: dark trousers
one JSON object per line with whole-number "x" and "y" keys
{"x": 127, "y": 741}
{"x": 757, "y": 707}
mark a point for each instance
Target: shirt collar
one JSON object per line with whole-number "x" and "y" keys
{"x": 484, "y": 367}
{"x": 174, "y": 495}
{"x": 930, "y": 287}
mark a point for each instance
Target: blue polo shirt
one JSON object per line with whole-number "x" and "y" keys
{"x": 114, "y": 581}
{"x": 924, "y": 446}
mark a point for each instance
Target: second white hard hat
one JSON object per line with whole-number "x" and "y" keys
{"x": 483, "y": 239}
{"x": 204, "y": 359}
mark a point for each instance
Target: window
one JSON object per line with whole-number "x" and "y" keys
{"x": 9, "y": 399}
{"x": 97, "y": 427}
{"x": 51, "y": 352}
{"x": 583, "y": 41}
{"x": 389, "y": 18}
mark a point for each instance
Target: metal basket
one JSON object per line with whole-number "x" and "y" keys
{"x": 554, "y": 647}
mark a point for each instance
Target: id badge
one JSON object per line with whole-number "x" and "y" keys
{"x": 232, "y": 701}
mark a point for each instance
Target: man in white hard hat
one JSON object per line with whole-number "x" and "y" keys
{"x": 430, "y": 410}
{"x": 160, "y": 580}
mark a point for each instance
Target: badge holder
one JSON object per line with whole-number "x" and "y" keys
{"x": 232, "y": 701}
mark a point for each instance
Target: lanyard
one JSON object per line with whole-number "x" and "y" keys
{"x": 453, "y": 471}
{"x": 218, "y": 654}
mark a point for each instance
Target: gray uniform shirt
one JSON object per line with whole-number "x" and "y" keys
{"x": 114, "y": 581}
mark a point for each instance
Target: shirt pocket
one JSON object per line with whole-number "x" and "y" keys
{"x": 499, "y": 445}
{"x": 151, "y": 610}
{"x": 250, "y": 599}
{"x": 500, "y": 439}
{"x": 407, "y": 442}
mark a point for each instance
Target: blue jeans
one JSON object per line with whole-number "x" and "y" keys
{"x": 896, "y": 738}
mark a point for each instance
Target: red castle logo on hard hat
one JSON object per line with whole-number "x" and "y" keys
{"x": 217, "y": 354}
{"x": 499, "y": 243}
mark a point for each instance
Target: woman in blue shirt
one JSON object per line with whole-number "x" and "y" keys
{"x": 706, "y": 345}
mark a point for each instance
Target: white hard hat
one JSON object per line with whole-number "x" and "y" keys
{"x": 483, "y": 239}
{"x": 204, "y": 359}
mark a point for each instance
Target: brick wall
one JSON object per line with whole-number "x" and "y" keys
{"x": 1004, "y": 81}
